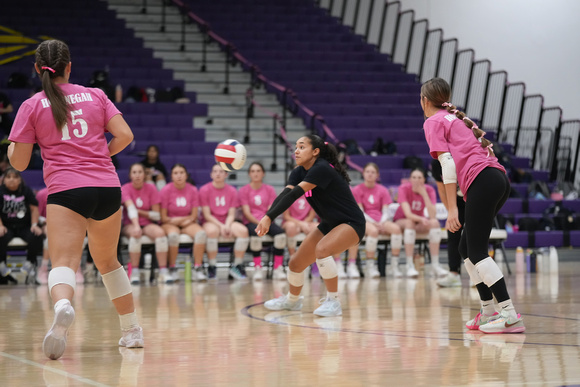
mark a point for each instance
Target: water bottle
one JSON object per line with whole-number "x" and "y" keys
{"x": 540, "y": 261}
{"x": 499, "y": 256}
{"x": 187, "y": 274}
{"x": 519, "y": 259}
{"x": 147, "y": 266}
{"x": 553, "y": 260}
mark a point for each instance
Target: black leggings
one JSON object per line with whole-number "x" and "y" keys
{"x": 274, "y": 230}
{"x": 453, "y": 239}
{"x": 485, "y": 197}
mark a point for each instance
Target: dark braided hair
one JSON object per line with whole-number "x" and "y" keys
{"x": 438, "y": 92}
{"x": 329, "y": 153}
{"x": 54, "y": 54}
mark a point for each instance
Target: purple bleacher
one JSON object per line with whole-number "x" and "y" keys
{"x": 538, "y": 206}
{"x": 572, "y": 204}
{"x": 517, "y": 239}
{"x": 575, "y": 238}
{"x": 512, "y": 206}
{"x": 33, "y": 178}
{"x": 549, "y": 238}
{"x": 382, "y": 161}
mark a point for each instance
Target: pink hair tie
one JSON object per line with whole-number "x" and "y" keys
{"x": 48, "y": 68}
{"x": 325, "y": 143}
{"x": 489, "y": 150}
{"x": 446, "y": 104}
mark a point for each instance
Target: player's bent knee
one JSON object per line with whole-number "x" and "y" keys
{"x": 256, "y": 243}
{"x": 241, "y": 244}
{"x": 173, "y": 239}
{"x": 161, "y": 245}
{"x": 117, "y": 283}
{"x": 134, "y": 245}
{"x": 61, "y": 275}
{"x": 409, "y": 236}
{"x": 200, "y": 237}
{"x": 327, "y": 267}
{"x": 280, "y": 241}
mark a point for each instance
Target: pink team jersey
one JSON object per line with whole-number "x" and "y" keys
{"x": 415, "y": 200}
{"x": 446, "y": 133}
{"x": 41, "y": 197}
{"x": 219, "y": 200}
{"x": 372, "y": 199}
{"x": 143, "y": 199}
{"x": 76, "y": 156}
{"x": 179, "y": 202}
{"x": 259, "y": 200}
{"x": 300, "y": 208}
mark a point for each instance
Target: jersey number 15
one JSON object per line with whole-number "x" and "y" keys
{"x": 75, "y": 121}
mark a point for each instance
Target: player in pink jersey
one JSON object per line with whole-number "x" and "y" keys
{"x": 179, "y": 210}
{"x": 467, "y": 159}
{"x": 255, "y": 199}
{"x": 142, "y": 212}
{"x": 69, "y": 123}
{"x": 219, "y": 202}
{"x": 42, "y": 273}
{"x": 374, "y": 199}
{"x": 414, "y": 199}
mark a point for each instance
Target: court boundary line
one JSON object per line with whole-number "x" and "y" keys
{"x": 246, "y": 312}
{"x": 81, "y": 379}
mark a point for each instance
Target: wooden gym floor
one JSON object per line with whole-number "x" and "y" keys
{"x": 392, "y": 332}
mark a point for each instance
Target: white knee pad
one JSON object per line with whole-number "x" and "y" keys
{"x": 295, "y": 279}
{"x": 200, "y": 237}
{"x": 255, "y": 243}
{"x": 134, "y": 245}
{"x": 327, "y": 267}
{"x": 435, "y": 235}
{"x": 61, "y": 275}
{"x": 409, "y": 236}
{"x": 371, "y": 244}
{"x": 280, "y": 241}
{"x": 45, "y": 243}
{"x": 396, "y": 241}
{"x": 173, "y": 239}
{"x": 241, "y": 244}
{"x": 292, "y": 242}
{"x": 117, "y": 283}
{"x": 161, "y": 245}
{"x": 489, "y": 271}
{"x": 211, "y": 245}
{"x": 472, "y": 271}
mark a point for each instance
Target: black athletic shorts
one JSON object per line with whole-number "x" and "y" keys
{"x": 97, "y": 203}
{"x": 359, "y": 228}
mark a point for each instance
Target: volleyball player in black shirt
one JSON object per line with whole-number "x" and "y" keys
{"x": 324, "y": 181}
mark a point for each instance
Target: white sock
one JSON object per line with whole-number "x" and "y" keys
{"x": 508, "y": 306}
{"x": 213, "y": 261}
{"x": 291, "y": 297}
{"x": 332, "y": 295}
{"x": 129, "y": 321}
{"x": 238, "y": 261}
{"x": 60, "y": 303}
{"x": 488, "y": 307}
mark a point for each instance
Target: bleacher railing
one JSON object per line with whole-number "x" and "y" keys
{"x": 288, "y": 98}
{"x": 484, "y": 95}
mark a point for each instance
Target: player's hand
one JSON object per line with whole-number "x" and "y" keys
{"x": 453, "y": 223}
{"x": 264, "y": 226}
